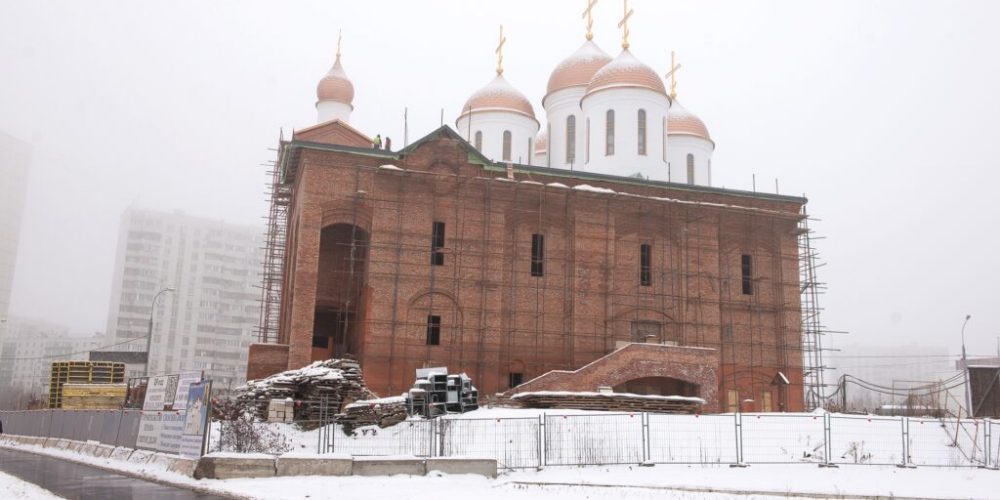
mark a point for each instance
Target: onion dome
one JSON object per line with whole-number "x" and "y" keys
{"x": 541, "y": 143}
{"x": 335, "y": 86}
{"x": 578, "y": 68}
{"x": 498, "y": 95}
{"x": 683, "y": 122}
{"x": 623, "y": 72}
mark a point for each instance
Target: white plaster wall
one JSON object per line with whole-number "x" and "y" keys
{"x": 678, "y": 147}
{"x": 539, "y": 159}
{"x": 558, "y": 106}
{"x": 492, "y": 124}
{"x": 328, "y": 110}
{"x": 626, "y": 161}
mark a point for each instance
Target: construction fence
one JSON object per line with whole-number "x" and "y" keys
{"x": 110, "y": 427}
{"x": 644, "y": 438}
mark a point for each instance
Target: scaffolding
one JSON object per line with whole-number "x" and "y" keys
{"x": 275, "y": 243}
{"x": 813, "y": 329}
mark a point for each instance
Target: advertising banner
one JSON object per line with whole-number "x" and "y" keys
{"x": 196, "y": 421}
{"x": 184, "y": 381}
{"x": 156, "y": 393}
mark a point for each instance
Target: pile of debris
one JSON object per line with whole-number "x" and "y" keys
{"x": 320, "y": 389}
{"x": 383, "y": 412}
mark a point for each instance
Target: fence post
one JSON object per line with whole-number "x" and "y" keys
{"x": 645, "y": 438}
{"x": 987, "y": 442}
{"x": 541, "y": 441}
{"x": 905, "y": 426}
{"x": 738, "y": 420}
{"x": 827, "y": 444}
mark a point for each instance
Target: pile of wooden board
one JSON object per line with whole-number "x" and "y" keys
{"x": 323, "y": 387}
{"x": 608, "y": 401}
{"x": 383, "y": 412}
{"x": 93, "y": 396}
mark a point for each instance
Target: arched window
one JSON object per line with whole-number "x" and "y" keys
{"x": 609, "y": 133}
{"x": 588, "y": 140}
{"x": 479, "y": 140}
{"x": 664, "y": 139}
{"x": 642, "y": 131}
{"x": 571, "y": 139}
{"x": 506, "y": 145}
{"x": 690, "y": 161}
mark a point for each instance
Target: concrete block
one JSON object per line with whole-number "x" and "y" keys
{"x": 103, "y": 451}
{"x": 62, "y": 444}
{"x": 183, "y": 466}
{"x": 121, "y": 453}
{"x": 140, "y": 457}
{"x": 50, "y": 442}
{"x": 383, "y": 466}
{"x": 229, "y": 466}
{"x": 456, "y": 465}
{"x": 162, "y": 460}
{"x": 88, "y": 449}
{"x": 75, "y": 446}
{"x": 37, "y": 441}
{"x": 303, "y": 466}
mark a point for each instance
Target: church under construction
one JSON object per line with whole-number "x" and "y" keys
{"x": 595, "y": 254}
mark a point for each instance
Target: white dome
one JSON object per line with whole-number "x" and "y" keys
{"x": 578, "y": 68}
{"x": 681, "y": 121}
{"x": 498, "y": 95}
{"x": 626, "y": 71}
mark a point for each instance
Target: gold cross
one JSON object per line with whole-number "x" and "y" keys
{"x": 339, "y": 35}
{"x": 624, "y": 25}
{"x": 672, "y": 74}
{"x": 590, "y": 19}
{"x": 499, "y": 52}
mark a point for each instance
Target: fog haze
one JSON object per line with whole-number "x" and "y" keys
{"x": 882, "y": 113}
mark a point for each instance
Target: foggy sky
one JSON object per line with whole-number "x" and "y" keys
{"x": 884, "y": 114}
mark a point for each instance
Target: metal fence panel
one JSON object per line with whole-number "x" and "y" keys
{"x": 946, "y": 442}
{"x": 775, "y": 438}
{"x": 593, "y": 439}
{"x": 513, "y": 442}
{"x": 109, "y": 427}
{"x": 410, "y": 437}
{"x": 692, "y": 439}
{"x": 866, "y": 440}
{"x": 128, "y": 431}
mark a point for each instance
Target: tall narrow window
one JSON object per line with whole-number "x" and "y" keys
{"x": 609, "y": 133}
{"x": 514, "y": 379}
{"x": 506, "y": 145}
{"x": 433, "y": 330}
{"x": 537, "y": 254}
{"x": 645, "y": 264}
{"x": 747, "y": 269}
{"x": 588, "y": 141}
{"x": 690, "y": 165}
{"x": 642, "y": 131}
{"x": 437, "y": 243}
{"x": 479, "y": 141}
{"x": 571, "y": 139}
{"x": 530, "y": 151}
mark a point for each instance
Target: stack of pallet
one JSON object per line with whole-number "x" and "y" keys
{"x": 334, "y": 383}
{"x": 93, "y": 396}
{"x": 605, "y": 401}
{"x": 82, "y": 372}
{"x": 383, "y": 412}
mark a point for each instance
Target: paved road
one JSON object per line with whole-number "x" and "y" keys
{"x": 83, "y": 482}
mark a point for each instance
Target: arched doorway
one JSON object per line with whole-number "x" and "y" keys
{"x": 659, "y": 386}
{"x": 340, "y": 280}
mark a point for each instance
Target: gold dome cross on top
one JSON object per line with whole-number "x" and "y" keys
{"x": 623, "y": 24}
{"x": 499, "y": 52}
{"x": 590, "y": 18}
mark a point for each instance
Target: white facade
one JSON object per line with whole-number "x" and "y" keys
{"x": 488, "y": 130}
{"x": 627, "y": 158}
{"x": 690, "y": 158}
{"x": 208, "y": 322}
{"x": 29, "y": 350}
{"x": 567, "y": 136}
{"x": 14, "y": 159}
{"x": 333, "y": 110}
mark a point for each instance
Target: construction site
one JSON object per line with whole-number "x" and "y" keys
{"x": 531, "y": 278}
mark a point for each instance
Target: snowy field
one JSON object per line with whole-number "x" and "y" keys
{"x": 526, "y": 438}
{"x": 709, "y": 482}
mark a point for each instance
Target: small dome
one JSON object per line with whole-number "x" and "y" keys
{"x": 626, "y": 71}
{"x": 578, "y": 68}
{"x": 498, "y": 95}
{"x": 542, "y": 142}
{"x": 335, "y": 86}
{"x": 682, "y": 122}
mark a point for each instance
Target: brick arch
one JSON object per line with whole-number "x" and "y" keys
{"x": 446, "y": 305}
{"x": 347, "y": 212}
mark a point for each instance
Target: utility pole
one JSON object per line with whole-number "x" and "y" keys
{"x": 965, "y": 369}
{"x": 149, "y": 332}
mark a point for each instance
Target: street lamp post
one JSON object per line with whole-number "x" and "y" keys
{"x": 149, "y": 332}
{"x": 965, "y": 368}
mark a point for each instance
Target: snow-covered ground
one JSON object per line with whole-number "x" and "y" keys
{"x": 14, "y": 488}
{"x": 701, "y": 482}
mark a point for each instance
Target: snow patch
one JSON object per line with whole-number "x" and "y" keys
{"x": 593, "y": 189}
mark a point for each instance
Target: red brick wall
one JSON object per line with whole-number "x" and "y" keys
{"x": 496, "y": 317}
